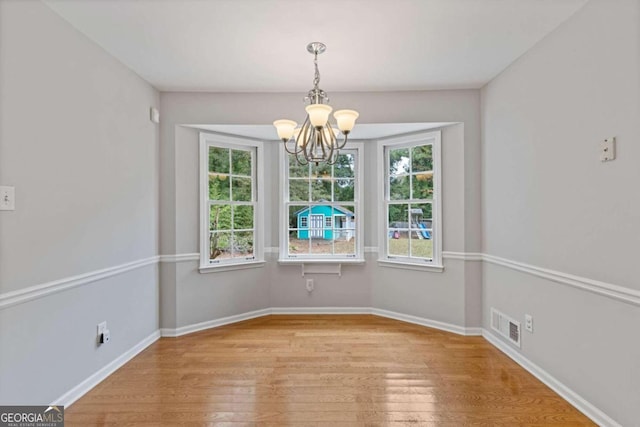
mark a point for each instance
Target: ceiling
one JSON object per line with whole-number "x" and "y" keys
{"x": 260, "y": 45}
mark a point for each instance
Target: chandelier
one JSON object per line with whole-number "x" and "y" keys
{"x": 316, "y": 140}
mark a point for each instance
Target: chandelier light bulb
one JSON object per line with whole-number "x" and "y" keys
{"x": 346, "y": 119}
{"x": 285, "y": 128}
{"x": 318, "y": 114}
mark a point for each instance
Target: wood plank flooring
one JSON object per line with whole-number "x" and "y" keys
{"x": 353, "y": 370}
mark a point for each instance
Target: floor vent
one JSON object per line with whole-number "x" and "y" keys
{"x": 505, "y": 326}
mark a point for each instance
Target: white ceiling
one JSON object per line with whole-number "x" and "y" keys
{"x": 372, "y": 45}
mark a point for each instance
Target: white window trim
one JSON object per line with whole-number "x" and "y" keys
{"x": 358, "y": 203}
{"x": 206, "y": 139}
{"x": 411, "y": 263}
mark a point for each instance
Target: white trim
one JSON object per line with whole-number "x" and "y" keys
{"x": 9, "y": 299}
{"x": 435, "y": 139}
{"x": 180, "y": 257}
{"x": 410, "y": 265}
{"x": 168, "y": 332}
{"x": 257, "y": 190}
{"x": 229, "y": 267}
{"x": 565, "y": 392}
{"x": 320, "y": 310}
{"x": 358, "y": 206}
{"x": 616, "y": 292}
{"x": 443, "y": 326}
{"x": 370, "y": 249}
{"x": 85, "y": 386}
{"x": 465, "y": 256}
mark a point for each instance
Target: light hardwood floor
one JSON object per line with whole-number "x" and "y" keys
{"x": 322, "y": 370}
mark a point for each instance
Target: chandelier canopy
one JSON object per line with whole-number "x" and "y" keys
{"x": 316, "y": 140}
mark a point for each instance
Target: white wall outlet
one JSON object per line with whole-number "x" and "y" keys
{"x": 103, "y": 332}
{"x": 310, "y": 285}
{"x": 7, "y": 198}
{"x": 608, "y": 149}
{"x": 528, "y": 322}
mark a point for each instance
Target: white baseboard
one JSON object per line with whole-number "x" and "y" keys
{"x": 81, "y": 389}
{"x": 320, "y": 310}
{"x": 565, "y": 392}
{"x": 196, "y": 327}
{"x": 167, "y": 332}
{"x": 449, "y": 327}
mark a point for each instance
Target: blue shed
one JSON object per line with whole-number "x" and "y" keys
{"x": 326, "y": 222}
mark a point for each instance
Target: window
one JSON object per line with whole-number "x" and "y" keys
{"x": 411, "y": 229}
{"x": 231, "y": 219}
{"x": 321, "y": 207}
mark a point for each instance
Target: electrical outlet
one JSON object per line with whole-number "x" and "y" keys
{"x": 103, "y": 333}
{"x": 309, "y": 285}
{"x": 608, "y": 149}
{"x": 528, "y": 322}
{"x": 102, "y": 327}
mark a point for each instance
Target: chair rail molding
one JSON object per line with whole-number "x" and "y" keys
{"x": 20, "y": 296}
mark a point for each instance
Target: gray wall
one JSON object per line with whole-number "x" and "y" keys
{"x": 549, "y": 202}
{"x": 77, "y": 144}
{"x": 452, "y": 296}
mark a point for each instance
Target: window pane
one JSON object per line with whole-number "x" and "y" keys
{"x": 398, "y": 243}
{"x": 243, "y": 244}
{"x": 399, "y": 216}
{"x": 322, "y": 171}
{"x": 398, "y": 161}
{"x": 421, "y": 247}
{"x": 218, "y": 186}
{"x": 345, "y": 166}
{"x": 297, "y": 170}
{"x": 421, "y": 158}
{"x": 420, "y": 214}
{"x": 343, "y": 190}
{"x": 220, "y": 217}
{"x": 321, "y": 190}
{"x": 241, "y": 162}
{"x": 422, "y": 184}
{"x": 322, "y": 246}
{"x": 220, "y": 245}
{"x": 299, "y": 190}
{"x": 295, "y": 213}
{"x": 399, "y": 187}
{"x": 345, "y": 241}
{"x": 219, "y": 160}
{"x": 241, "y": 188}
{"x": 242, "y": 217}
{"x": 297, "y": 244}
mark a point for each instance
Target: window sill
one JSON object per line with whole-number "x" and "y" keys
{"x": 411, "y": 266}
{"x": 230, "y": 267}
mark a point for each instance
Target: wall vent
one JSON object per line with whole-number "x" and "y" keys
{"x": 505, "y": 326}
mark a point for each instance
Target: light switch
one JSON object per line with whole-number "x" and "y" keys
{"x": 7, "y": 198}
{"x": 608, "y": 149}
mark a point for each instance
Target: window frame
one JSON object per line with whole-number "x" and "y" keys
{"x": 257, "y": 177}
{"x": 358, "y": 204}
{"x": 409, "y": 141}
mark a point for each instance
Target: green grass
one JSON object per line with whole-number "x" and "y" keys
{"x": 419, "y": 248}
